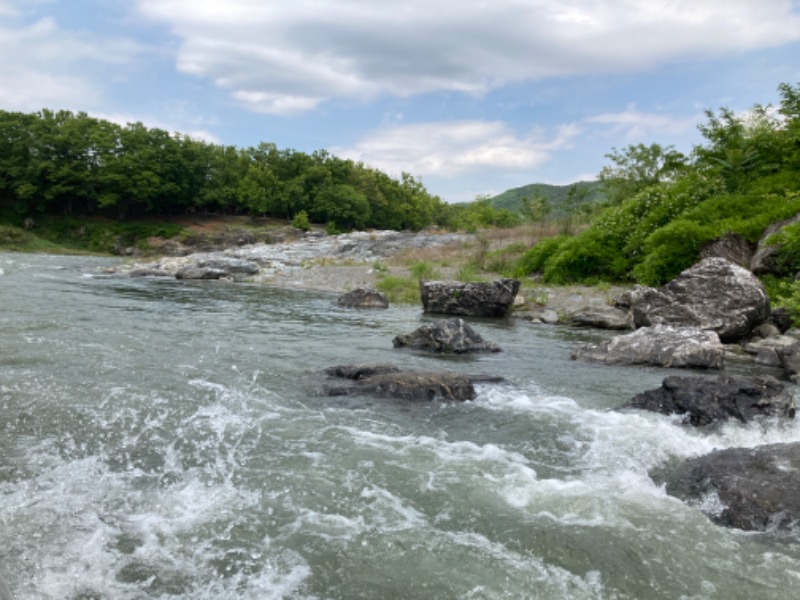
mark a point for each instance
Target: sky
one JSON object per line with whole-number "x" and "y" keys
{"x": 473, "y": 97}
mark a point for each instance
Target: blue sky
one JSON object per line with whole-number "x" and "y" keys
{"x": 474, "y": 97}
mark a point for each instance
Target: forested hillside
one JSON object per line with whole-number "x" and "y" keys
{"x": 559, "y": 198}
{"x": 62, "y": 163}
{"x": 663, "y": 207}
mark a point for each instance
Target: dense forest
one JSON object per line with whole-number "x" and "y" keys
{"x": 663, "y": 206}
{"x": 61, "y": 163}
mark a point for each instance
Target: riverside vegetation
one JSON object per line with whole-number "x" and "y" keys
{"x": 74, "y": 182}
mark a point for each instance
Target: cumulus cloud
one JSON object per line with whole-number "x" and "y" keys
{"x": 282, "y": 57}
{"x": 452, "y": 148}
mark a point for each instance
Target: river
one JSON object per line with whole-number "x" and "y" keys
{"x": 166, "y": 439}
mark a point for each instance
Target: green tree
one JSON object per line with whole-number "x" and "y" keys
{"x": 638, "y": 167}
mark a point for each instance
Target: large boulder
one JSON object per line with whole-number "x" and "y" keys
{"x": 732, "y": 247}
{"x": 715, "y": 295}
{"x": 703, "y": 401}
{"x": 446, "y": 336}
{"x": 765, "y": 258}
{"x": 663, "y": 346}
{"x": 489, "y": 299}
{"x": 363, "y": 298}
{"x": 758, "y": 488}
{"x": 388, "y": 381}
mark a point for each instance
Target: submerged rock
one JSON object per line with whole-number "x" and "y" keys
{"x": 217, "y": 268}
{"x": 678, "y": 347}
{"x": 384, "y": 380}
{"x": 489, "y": 299}
{"x": 758, "y": 488}
{"x": 714, "y": 294}
{"x": 707, "y": 400}
{"x": 363, "y": 297}
{"x": 447, "y": 336}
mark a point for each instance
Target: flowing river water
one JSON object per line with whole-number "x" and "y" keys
{"x": 166, "y": 439}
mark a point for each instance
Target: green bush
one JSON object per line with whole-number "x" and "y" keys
{"x": 399, "y": 290}
{"x": 670, "y": 250}
{"x": 301, "y": 221}
{"x": 534, "y": 260}
{"x": 423, "y": 270}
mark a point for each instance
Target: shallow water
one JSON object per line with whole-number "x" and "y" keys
{"x": 165, "y": 439}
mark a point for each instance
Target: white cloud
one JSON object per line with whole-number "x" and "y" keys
{"x": 633, "y": 125}
{"x": 52, "y": 67}
{"x": 452, "y": 148}
{"x": 283, "y": 57}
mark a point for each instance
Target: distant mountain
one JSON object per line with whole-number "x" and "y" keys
{"x": 556, "y": 195}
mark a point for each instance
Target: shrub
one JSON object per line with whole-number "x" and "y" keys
{"x": 533, "y": 261}
{"x": 670, "y": 250}
{"x": 301, "y": 221}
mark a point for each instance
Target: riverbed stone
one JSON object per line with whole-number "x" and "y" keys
{"x": 482, "y": 299}
{"x": 715, "y": 294}
{"x": 677, "y": 347}
{"x": 764, "y": 260}
{"x": 388, "y": 381}
{"x": 602, "y": 317}
{"x": 446, "y": 336}
{"x": 758, "y": 488}
{"x": 363, "y": 297}
{"x": 706, "y": 400}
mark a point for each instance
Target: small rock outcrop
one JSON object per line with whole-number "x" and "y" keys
{"x": 663, "y": 346}
{"x": 704, "y": 401}
{"x": 715, "y": 295}
{"x": 218, "y": 268}
{"x": 789, "y": 358}
{"x": 490, "y": 299}
{"x": 363, "y": 298}
{"x": 447, "y": 336}
{"x": 731, "y": 247}
{"x": 758, "y": 488}
{"x": 765, "y": 258}
{"x": 606, "y": 317}
{"x": 388, "y": 381}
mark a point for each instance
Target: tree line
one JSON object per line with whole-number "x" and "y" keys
{"x": 72, "y": 164}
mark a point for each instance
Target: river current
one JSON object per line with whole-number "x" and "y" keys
{"x": 166, "y": 439}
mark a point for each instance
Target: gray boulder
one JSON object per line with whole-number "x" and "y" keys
{"x": 601, "y": 317}
{"x": 489, "y": 299}
{"x": 759, "y": 488}
{"x": 446, "y": 336}
{"x": 732, "y": 247}
{"x": 218, "y": 268}
{"x": 703, "y": 401}
{"x": 789, "y": 357}
{"x": 363, "y": 298}
{"x": 388, "y": 381}
{"x": 714, "y": 294}
{"x": 678, "y": 347}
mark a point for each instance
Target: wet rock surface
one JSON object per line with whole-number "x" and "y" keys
{"x": 363, "y": 297}
{"x": 758, "y": 488}
{"x": 388, "y": 381}
{"x": 446, "y": 336}
{"x": 704, "y": 401}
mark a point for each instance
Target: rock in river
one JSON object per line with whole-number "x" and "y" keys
{"x": 446, "y": 336}
{"x": 662, "y": 346}
{"x": 758, "y": 488}
{"x": 489, "y": 299}
{"x": 707, "y": 400}
{"x": 363, "y": 297}
{"x": 384, "y": 380}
